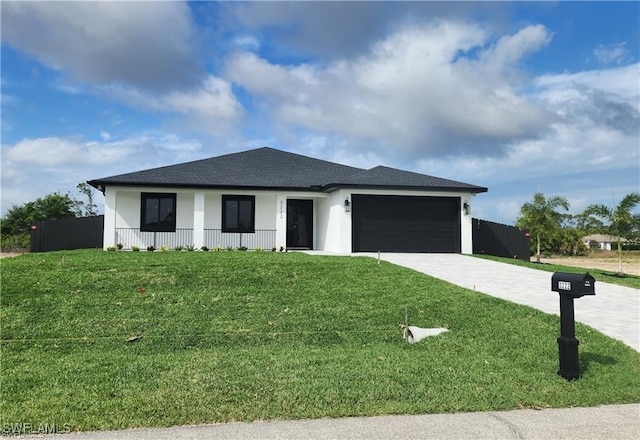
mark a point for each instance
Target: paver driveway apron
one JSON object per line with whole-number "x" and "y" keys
{"x": 614, "y": 310}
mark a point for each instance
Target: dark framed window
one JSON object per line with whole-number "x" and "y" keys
{"x": 238, "y": 213}
{"x": 158, "y": 212}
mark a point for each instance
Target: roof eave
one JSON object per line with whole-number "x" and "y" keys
{"x": 336, "y": 186}
{"x": 101, "y": 184}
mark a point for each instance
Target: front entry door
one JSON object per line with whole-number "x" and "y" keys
{"x": 299, "y": 224}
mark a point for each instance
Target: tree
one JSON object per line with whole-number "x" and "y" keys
{"x": 621, "y": 222}
{"x": 541, "y": 218}
{"x": 85, "y": 208}
{"x": 50, "y": 207}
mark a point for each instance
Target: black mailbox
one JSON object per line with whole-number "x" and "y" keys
{"x": 570, "y": 286}
{"x": 573, "y": 284}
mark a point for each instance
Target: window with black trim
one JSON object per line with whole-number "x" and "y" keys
{"x": 238, "y": 213}
{"x": 158, "y": 212}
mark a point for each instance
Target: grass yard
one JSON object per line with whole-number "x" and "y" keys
{"x": 606, "y": 276}
{"x": 241, "y": 336}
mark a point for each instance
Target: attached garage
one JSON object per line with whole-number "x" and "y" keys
{"x": 405, "y": 224}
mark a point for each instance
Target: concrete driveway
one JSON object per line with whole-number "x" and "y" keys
{"x": 614, "y": 310}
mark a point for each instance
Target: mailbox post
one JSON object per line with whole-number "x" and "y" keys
{"x": 570, "y": 286}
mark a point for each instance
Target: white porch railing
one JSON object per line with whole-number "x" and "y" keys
{"x": 261, "y": 238}
{"x": 129, "y": 237}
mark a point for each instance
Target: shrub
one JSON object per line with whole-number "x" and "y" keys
{"x": 191, "y": 248}
{"x": 177, "y": 248}
{"x": 119, "y": 246}
{"x": 217, "y": 249}
{"x": 150, "y": 248}
{"x": 135, "y": 248}
{"x": 273, "y": 249}
{"x": 242, "y": 248}
{"x": 164, "y": 248}
{"x": 16, "y": 242}
{"x": 258, "y": 249}
{"x": 229, "y": 248}
{"x": 204, "y": 249}
{"x": 111, "y": 249}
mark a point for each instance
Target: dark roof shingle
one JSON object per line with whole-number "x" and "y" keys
{"x": 269, "y": 168}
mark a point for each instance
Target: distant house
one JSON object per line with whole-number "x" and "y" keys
{"x": 602, "y": 241}
{"x": 267, "y": 198}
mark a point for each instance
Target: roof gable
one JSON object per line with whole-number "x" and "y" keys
{"x": 268, "y": 168}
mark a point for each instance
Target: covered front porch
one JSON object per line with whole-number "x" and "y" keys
{"x": 280, "y": 220}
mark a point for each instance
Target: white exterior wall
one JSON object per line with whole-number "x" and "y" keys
{"x": 334, "y": 223}
{"x": 281, "y": 221}
{"x": 212, "y": 210}
{"x": 110, "y": 206}
{"x": 266, "y": 209}
{"x": 128, "y": 212}
{"x": 201, "y": 210}
{"x": 184, "y": 210}
{"x": 466, "y": 225}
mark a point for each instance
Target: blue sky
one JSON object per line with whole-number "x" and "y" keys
{"x": 518, "y": 97}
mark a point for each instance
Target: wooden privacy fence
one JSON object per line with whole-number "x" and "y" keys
{"x": 500, "y": 240}
{"x": 68, "y": 233}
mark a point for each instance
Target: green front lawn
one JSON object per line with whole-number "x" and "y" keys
{"x": 605, "y": 276}
{"x": 246, "y": 336}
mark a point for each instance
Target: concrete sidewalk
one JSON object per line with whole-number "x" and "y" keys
{"x": 614, "y": 310}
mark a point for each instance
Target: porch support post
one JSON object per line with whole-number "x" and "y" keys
{"x": 109, "y": 233}
{"x": 198, "y": 219}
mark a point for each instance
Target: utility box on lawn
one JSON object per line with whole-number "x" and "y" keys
{"x": 570, "y": 286}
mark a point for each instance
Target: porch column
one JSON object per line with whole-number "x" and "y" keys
{"x": 198, "y": 219}
{"x": 109, "y": 232}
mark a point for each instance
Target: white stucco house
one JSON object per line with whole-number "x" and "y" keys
{"x": 265, "y": 198}
{"x": 602, "y": 241}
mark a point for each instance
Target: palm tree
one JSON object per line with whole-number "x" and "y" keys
{"x": 540, "y": 216}
{"x": 620, "y": 220}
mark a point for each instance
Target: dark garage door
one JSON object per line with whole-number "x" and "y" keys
{"x": 405, "y": 224}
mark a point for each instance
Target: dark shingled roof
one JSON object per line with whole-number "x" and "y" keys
{"x": 268, "y": 168}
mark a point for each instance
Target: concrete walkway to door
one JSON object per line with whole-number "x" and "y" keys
{"x": 614, "y": 310}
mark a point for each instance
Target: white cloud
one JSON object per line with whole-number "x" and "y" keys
{"x": 144, "y": 44}
{"x": 211, "y": 107}
{"x": 333, "y": 28}
{"x": 215, "y": 100}
{"x": 430, "y": 89}
{"x": 52, "y": 152}
{"x": 32, "y": 168}
{"x": 611, "y": 53}
{"x": 248, "y": 42}
{"x": 622, "y": 81}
